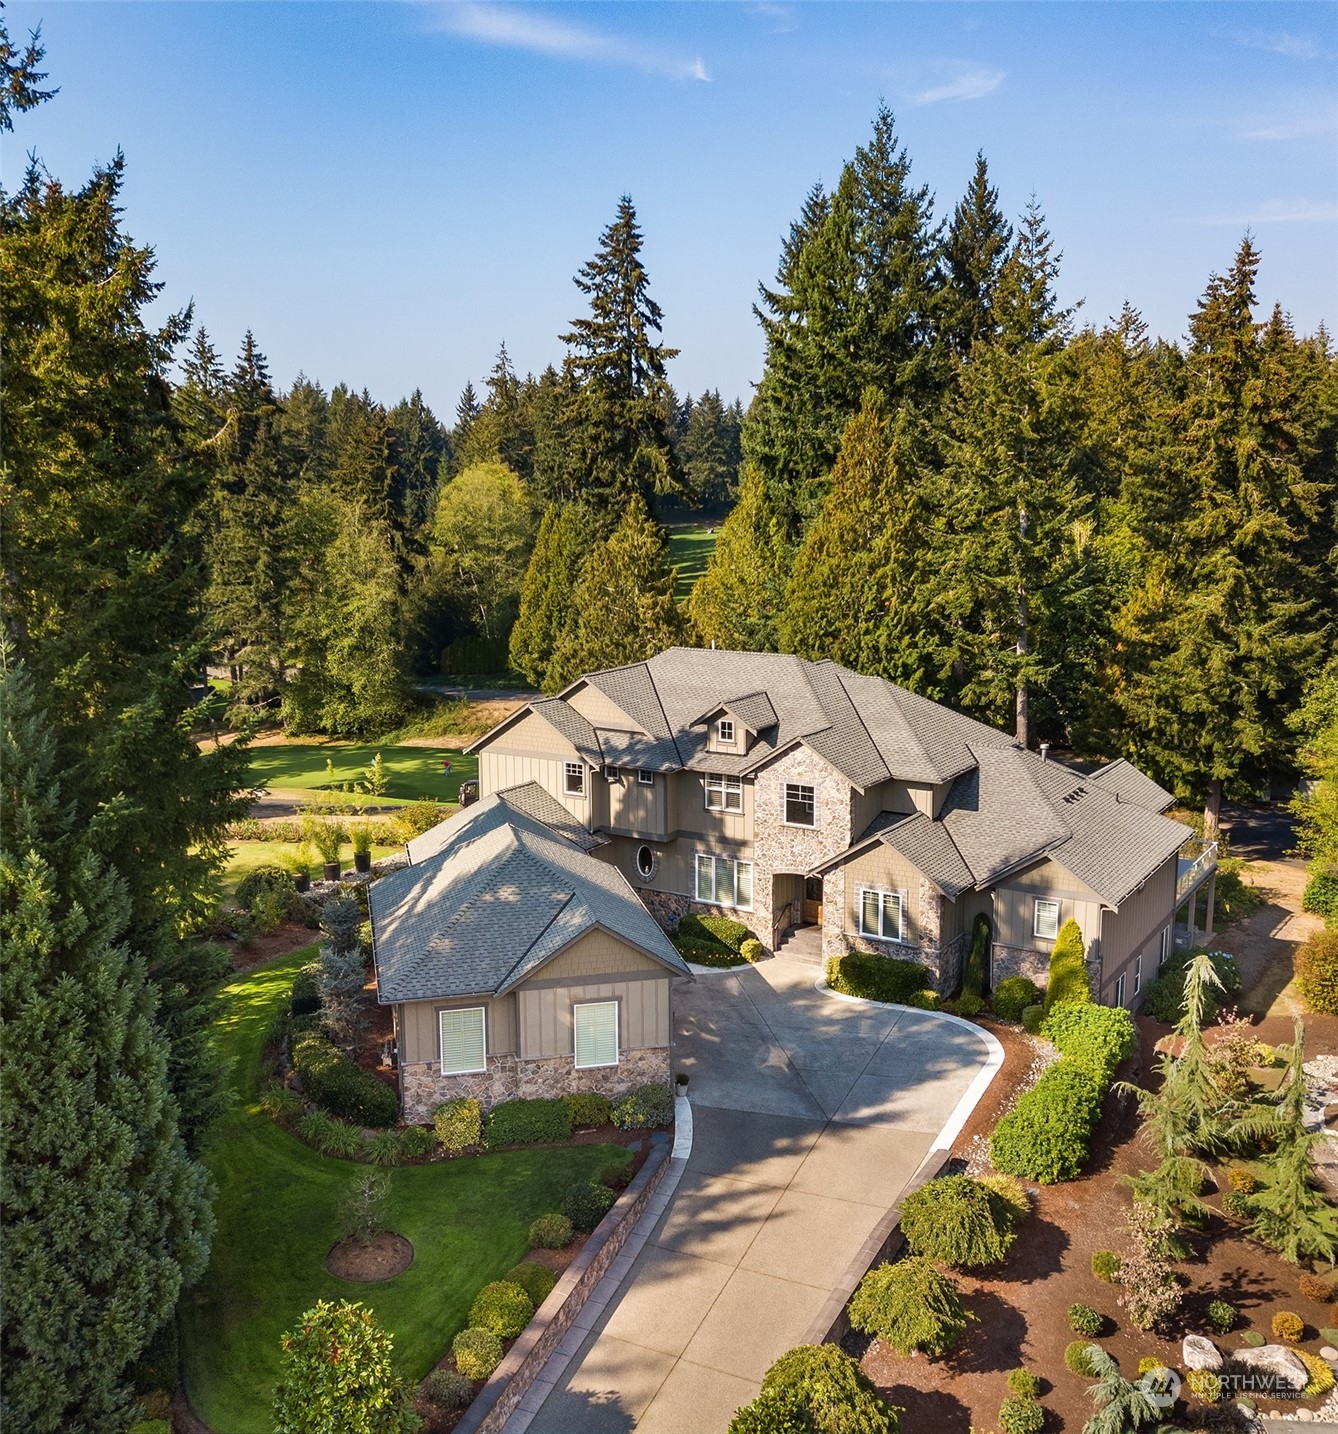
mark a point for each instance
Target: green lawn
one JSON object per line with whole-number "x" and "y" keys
{"x": 414, "y": 772}
{"x": 278, "y": 1213}
{"x": 248, "y": 855}
{"x": 690, "y": 550}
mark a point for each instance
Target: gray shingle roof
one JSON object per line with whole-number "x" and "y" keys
{"x": 528, "y": 798}
{"x": 929, "y": 848}
{"x": 753, "y": 709}
{"x": 1129, "y": 784}
{"x": 635, "y": 749}
{"x": 481, "y": 913}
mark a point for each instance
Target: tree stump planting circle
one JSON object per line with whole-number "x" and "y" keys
{"x": 385, "y": 1257}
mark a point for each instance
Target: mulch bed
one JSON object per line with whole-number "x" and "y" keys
{"x": 1021, "y": 1309}
{"x": 382, "y": 1258}
{"x": 286, "y": 938}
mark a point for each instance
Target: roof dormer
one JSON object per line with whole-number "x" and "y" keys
{"x": 733, "y": 726}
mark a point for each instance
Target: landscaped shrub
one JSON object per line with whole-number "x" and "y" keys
{"x": 587, "y": 1108}
{"x": 305, "y": 997}
{"x": 1013, "y": 995}
{"x": 1221, "y": 1316}
{"x": 968, "y": 1004}
{"x": 926, "y": 1000}
{"x": 1083, "y": 1319}
{"x": 1321, "y": 1374}
{"x": 1068, "y": 968}
{"x": 550, "y": 1232}
{"x": 909, "y": 1305}
{"x": 448, "y": 1389}
{"x": 503, "y": 1308}
{"x": 1151, "y": 1292}
{"x": 318, "y": 1395}
{"x": 1024, "y": 1383}
{"x": 1321, "y": 895}
{"x": 330, "y": 1136}
{"x": 1097, "y": 1037}
{"x": 1045, "y": 1137}
{"x": 477, "y": 1352}
{"x": 386, "y": 1148}
{"x": 1033, "y": 1018}
{"x": 264, "y": 879}
{"x": 364, "y": 1208}
{"x": 1241, "y": 1179}
{"x": 819, "y": 1388}
{"x": 1164, "y": 997}
{"x": 1077, "y": 1359}
{"x": 1018, "y": 1415}
{"x": 877, "y": 978}
{"x": 416, "y": 1141}
{"x": 458, "y": 1123}
{"x": 956, "y": 1221}
{"x": 535, "y": 1279}
{"x": 644, "y": 1107}
{"x": 1106, "y": 1266}
{"x": 1313, "y": 1287}
{"x": 1316, "y": 966}
{"x": 706, "y": 953}
{"x": 280, "y": 1103}
{"x": 1203, "y": 1384}
{"x": 1288, "y": 1327}
{"x": 751, "y": 950}
{"x": 976, "y": 974}
{"x": 1236, "y": 1205}
{"x": 338, "y": 1085}
{"x": 585, "y": 1205}
{"x": 527, "y": 1122}
{"x": 723, "y": 929}
{"x": 1009, "y": 1195}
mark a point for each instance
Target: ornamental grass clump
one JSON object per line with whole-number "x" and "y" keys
{"x": 958, "y": 1222}
{"x": 909, "y": 1305}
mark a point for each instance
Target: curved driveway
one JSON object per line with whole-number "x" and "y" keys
{"x": 810, "y": 1115}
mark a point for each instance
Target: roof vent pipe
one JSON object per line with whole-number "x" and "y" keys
{"x": 1045, "y": 751}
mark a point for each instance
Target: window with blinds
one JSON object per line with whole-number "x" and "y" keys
{"x": 464, "y": 1046}
{"x": 596, "y": 1025}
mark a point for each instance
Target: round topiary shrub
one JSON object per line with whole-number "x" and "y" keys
{"x": 1083, "y": 1319}
{"x": 1241, "y": 1179}
{"x": 1013, "y": 995}
{"x": 1221, "y": 1316}
{"x": 1321, "y": 1374}
{"x": 1077, "y": 1358}
{"x": 535, "y": 1279}
{"x": 458, "y": 1124}
{"x": 751, "y": 950}
{"x": 503, "y": 1308}
{"x": 812, "y": 1387}
{"x": 1033, "y": 1018}
{"x": 1316, "y": 966}
{"x": 1020, "y": 1416}
{"x": 956, "y": 1221}
{"x": 585, "y": 1205}
{"x": 1106, "y": 1266}
{"x": 1288, "y": 1327}
{"x": 477, "y": 1352}
{"x": 1204, "y": 1385}
{"x": 968, "y": 1004}
{"x": 448, "y": 1389}
{"x": 266, "y": 880}
{"x": 909, "y": 1305}
{"x": 550, "y": 1232}
{"x": 588, "y": 1108}
{"x": 1023, "y": 1382}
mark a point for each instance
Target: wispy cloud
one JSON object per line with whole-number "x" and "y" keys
{"x": 1299, "y": 126}
{"x": 958, "y": 82}
{"x": 522, "y": 27}
{"x": 1280, "y": 211}
{"x": 783, "y": 18}
{"x": 1283, "y": 42}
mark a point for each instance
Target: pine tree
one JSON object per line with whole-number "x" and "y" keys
{"x": 360, "y": 459}
{"x": 106, "y": 1218}
{"x": 623, "y": 606}
{"x": 547, "y": 604}
{"x": 620, "y": 403}
{"x": 199, "y": 401}
{"x": 419, "y": 445}
{"x": 738, "y": 601}
{"x": 708, "y": 450}
{"x": 978, "y": 241}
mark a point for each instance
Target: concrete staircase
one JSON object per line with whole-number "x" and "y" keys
{"x": 802, "y": 943}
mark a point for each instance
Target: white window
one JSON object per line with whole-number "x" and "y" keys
{"x": 800, "y": 805}
{"x": 645, "y": 778}
{"x": 645, "y": 862}
{"x": 1164, "y": 950}
{"x": 464, "y": 1045}
{"x": 573, "y": 779}
{"x": 723, "y": 794}
{"x": 613, "y": 776}
{"x": 1138, "y": 974}
{"x": 1046, "y": 921}
{"x": 596, "y": 1024}
{"x": 1119, "y": 989}
{"x": 724, "y": 731}
{"x": 723, "y": 881}
{"x": 880, "y": 913}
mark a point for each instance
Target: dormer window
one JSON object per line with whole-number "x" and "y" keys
{"x": 724, "y": 731}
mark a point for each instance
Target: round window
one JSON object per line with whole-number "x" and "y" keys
{"x": 645, "y": 862}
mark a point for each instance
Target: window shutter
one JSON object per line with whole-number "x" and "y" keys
{"x": 463, "y": 1045}
{"x": 596, "y": 1024}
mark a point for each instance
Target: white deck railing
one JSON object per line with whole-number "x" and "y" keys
{"x": 1197, "y": 869}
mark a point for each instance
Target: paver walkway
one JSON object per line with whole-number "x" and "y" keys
{"x": 810, "y": 1115}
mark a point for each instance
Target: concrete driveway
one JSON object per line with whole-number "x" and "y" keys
{"x": 810, "y": 1115}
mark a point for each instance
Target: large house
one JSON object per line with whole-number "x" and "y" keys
{"x": 794, "y": 794}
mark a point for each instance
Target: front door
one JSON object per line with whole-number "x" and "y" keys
{"x": 812, "y": 901}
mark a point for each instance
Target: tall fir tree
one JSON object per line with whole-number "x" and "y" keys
{"x": 977, "y": 243}
{"x": 547, "y": 604}
{"x": 708, "y": 450}
{"x": 420, "y": 449}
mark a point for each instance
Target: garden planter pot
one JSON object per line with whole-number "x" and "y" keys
{"x": 302, "y": 882}
{"x": 332, "y": 871}
{"x": 362, "y": 861}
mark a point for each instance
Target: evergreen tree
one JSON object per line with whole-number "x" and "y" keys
{"x": 547, "y": 592}
{"x": 708, "y": 450}
{"x": 467, "y": 409}
{"x": 501, "y": 431}
{"x": 199, "y": 401}
{"x": 20, "y": 77}
{"x": 419, "y": 445}
{"x": 623, "y": 606}
{"x": 301, "y": 422}
{"x": 620, "y": 401}
{"x": 738, "y": 601}
{"x": 106, "y": 1218}
{"x": 360, "y": 460}
{"x": 978, "y": 241}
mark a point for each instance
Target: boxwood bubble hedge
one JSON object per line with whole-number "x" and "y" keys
{"x": 527, "y": 1122}
{"x": 816, "y": 1387}
{"x": 588, "y": 1108}
{"x": 339, "y": 1085}
{"x": 585, "y": 1205}
{"x": 877, "y": 978}
{"x": 503, "y": 1308}
{"x": 535, "y": 1279}
{"x": 551, "y": 1232}
{"x": 477, "y": 1352}
{"x": 957, "y": 1221}
{"x": 909, "y": 1305}
{"x": 1013, "y": 995}
{"x": 644, "y": 1107}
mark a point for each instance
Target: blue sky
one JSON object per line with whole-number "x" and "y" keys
{"x": 386, "y": 191}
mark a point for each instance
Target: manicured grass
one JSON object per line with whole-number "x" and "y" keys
{"x": 413, "y": 772}
{"x": 248, "y": 855}
{"x": 689, "y": 550}
{"x": 278, "y": 1212}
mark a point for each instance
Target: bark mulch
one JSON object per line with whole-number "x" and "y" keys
{"x": 382, "y": 1258}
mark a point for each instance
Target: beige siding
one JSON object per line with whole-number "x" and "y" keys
{"x": 600, "y": 710}
{"x": 596, "y": 954}
{"x": 546, "y": 1020}
{"x": 886, "y": 870}
{"x": 690, "y": 818}
{"x": 1134, "y": 931}
{"x": 500, "y": 769}
{"x": 533, "y": 734}
{"x": 637, "y": 809}
{"x": 420, "y": 1029}
{"x": 1014, "y": 912}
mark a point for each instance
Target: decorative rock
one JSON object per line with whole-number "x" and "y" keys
{"x": 1274, "y": 1365}
{"x": 1305, "y": 1415}
{"x": 1200, "y": 1353}
{"x": 1329, "y": 1353}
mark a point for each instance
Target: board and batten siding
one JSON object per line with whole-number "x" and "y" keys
{"x": 498, "y": 770}
{"x": 545, "y": 1014}
{"x": 1015, "y": 906}
{"x": 637, "y": 809}
{"x": 420, "y": 1028}
{"x": 1135, "y": 930}
{"x": 596, "y": 954}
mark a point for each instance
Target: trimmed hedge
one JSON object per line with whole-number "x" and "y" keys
{"x": 535, "y": 1279}
{"x": 503, "y": 1308}
{"x": 477, "y": 1352}
{"x": 643, "y": 1107}
{"x": 527, "y": 1122}
{"x": 816, "y": 1387}
{"x": 722, "y": 929}
{"x": 705, "y": 952}
{"x": 1013, "y": 995}
{"x": 877, "y": 978}
{"x": 458, "y": 1123}
{"x": 1095, "y": 1037}
{"x": 587, "y": 1108}
{"x": 1045, "y": 1137}
{"x": 585, "y": 1205}
{"x": 340, "y": 1086}
{"x": 1068, "y": 968}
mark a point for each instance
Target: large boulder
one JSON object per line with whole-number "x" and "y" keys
{"x": 1200, "y": 1353}
{"x": 1273, "y": 1368}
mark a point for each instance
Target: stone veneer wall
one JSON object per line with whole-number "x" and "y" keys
{"x": 943, "y": 960}
{"x": 423, "y": 1086}
{"x": 1019, "y": 961}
